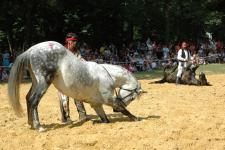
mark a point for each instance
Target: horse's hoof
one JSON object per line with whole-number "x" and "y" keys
{"x": 115, "y": 110}
{"x": 41, "y": 129}
{"x": 136, "y": 119}
{"x": 67, "y": 121}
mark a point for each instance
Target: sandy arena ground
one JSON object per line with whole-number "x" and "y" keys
{"x": 174, "y": 117}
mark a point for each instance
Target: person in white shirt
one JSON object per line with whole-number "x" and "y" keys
{"x": 183, "y": 57}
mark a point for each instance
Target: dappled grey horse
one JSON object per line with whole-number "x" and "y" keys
{"x": 49, "y": 62}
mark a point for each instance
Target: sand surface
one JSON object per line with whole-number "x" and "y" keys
{"x": 173, "y": 117}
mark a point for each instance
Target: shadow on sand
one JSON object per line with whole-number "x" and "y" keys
{"x": 113, "y": 118}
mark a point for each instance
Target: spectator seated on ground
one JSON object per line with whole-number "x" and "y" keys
{"x": 139, "y": 63}
{"x": 4, "y": 75}
{"x": 132, "y": 68}
{"x": 100, "y": 60}
{"x": 154, "y": 65}
{"x": 147, "y": 66}
{"x": 6, "y": 58}
{"x": 212, "y": 57}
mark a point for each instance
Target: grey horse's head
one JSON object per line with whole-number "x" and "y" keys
{"x": 128, "y": 93}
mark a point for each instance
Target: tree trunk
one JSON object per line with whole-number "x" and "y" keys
{"x": 167, "y": 21}
{"x": 28, "y": 24}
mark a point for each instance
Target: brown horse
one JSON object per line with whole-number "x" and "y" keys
{"x": 188, "y": 76}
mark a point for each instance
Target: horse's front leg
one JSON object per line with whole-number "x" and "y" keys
{"x": 100, "y": 112}
{"x": 119, "y": 106}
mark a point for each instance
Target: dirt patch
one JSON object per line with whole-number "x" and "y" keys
{"x": 174, "y": 117}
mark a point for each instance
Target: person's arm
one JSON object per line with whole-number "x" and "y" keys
{"x": 79, "y": 56}
{"x": 189, "y": 57}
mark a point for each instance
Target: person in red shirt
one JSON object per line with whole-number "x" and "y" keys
{"x": 71, "y": 41}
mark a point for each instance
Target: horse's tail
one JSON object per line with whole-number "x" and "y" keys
{"x": 14, "y": 83}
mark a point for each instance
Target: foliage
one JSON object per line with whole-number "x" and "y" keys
{"x": 103, "y": 21}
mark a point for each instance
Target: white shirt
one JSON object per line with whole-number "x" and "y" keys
{"x": 179, "y": 54}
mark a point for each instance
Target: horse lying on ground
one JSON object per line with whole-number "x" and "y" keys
{"x": 188, "y": 76}
{"x": 49, "y": 62}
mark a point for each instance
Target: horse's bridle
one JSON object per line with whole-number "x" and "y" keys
{"x": 132, "y": 92}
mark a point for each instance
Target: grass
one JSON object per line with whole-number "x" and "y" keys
{"x": 156, "y": 73}
{"x": 212, "y": 69}
{"x": 209, "y": 69}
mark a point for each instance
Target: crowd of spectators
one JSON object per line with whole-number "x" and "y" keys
{"x": 147, "y": 55}
{"x": 135, "y": 56}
